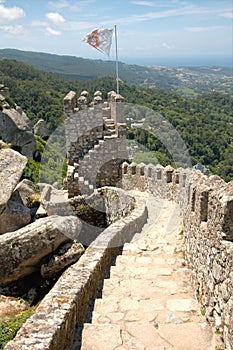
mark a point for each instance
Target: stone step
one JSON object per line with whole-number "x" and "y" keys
{"x": 109, "y": 120}
{"x": 85, "y": 187}
{"x": 148, "y": 302}
{"x": 100, "y": 337}
{"x": 180, "y": 335}
{"x": 110, "y": 124}
{"x": 138, "y": 307}
{"x": 110, "y": 137}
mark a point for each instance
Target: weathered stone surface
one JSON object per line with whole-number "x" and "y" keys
{"x": 54, "y": 202}
{"x": 15, "y": 129}
{"x": 185, "y": 336}
{"x": 117, "y": 203}
{"x": 26, "y": 189}
{"x": 41, "y": 213}
{"x": 12, "y": 165}
{"x": 21, "y": 252}
{"x": 53, "y": 324}
{"x": 41, "y": 129}
{"x": 208, "y": 228}
{"x": 11, "y": 306}
{"x": 99, "y": 337}
{"x": 14, "y": 216}
{"x": 185, "y": 305}
{"x": 66, "y": 255}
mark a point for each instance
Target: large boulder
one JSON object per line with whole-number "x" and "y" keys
{"x": 15, "y": 128}
{"x": 12, "y": 165}
{"x": 26, "y": 190}
{"x": 14, "y": 216}
{"x": 22, "y": 251}
{"x": 41, "y": 129}
{"x": 65, "y": 256}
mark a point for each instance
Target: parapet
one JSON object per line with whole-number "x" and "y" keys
{"x": 70, "y": 101}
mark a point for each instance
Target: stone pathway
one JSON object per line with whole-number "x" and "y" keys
{"x": 148, "y": 302}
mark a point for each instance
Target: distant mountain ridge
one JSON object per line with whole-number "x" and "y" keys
{"x": 188, "y": 81}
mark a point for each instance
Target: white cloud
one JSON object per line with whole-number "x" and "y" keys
{"x": 182, "y": 11}
{"x": 143, "y": 3}
{"x": 51, "y": 31}
{"x": 227, "y": 15}
{"x": 58, "y": 5}
{"x": 202, "y": 29}
{"x": 39, "y": 24}
{"x": 55, "y": 18}
{"x": 13, "y": 30}
{"x": 10, "y": 13}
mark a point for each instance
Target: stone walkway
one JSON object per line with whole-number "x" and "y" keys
{"x": 148, "y": 303}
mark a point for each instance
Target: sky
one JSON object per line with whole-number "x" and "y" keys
{"x": 148, "y": 32}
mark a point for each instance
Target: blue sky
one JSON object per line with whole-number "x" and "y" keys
{"x": 147, "y": 30}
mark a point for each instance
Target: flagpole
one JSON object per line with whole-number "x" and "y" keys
{"x": 117, "y": 72}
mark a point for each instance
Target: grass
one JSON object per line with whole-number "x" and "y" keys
{"x": 203, "y": 311}
{"x": 10, "y": 326}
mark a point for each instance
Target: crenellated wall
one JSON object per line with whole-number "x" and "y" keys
{"x": 95, "y": 141}
{"x": 169, "y": 183}
{"x": 96, "y": 147}
{"x": 208, "y": 234}
{"x": 207, "y": 208}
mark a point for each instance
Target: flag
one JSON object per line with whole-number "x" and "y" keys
{"x": 100, "y": 39}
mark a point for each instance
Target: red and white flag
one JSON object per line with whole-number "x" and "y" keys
{"x": 100, "y": 39}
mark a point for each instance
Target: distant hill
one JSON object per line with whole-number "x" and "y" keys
{"x": 188, "y": 81}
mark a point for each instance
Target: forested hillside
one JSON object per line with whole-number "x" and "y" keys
{"x": 205, "y": 123}
{"x": 187, "y": 81}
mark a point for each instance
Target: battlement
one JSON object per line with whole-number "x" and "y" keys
{"x": 96, "y": 157}
{"x": 95, "y": 132}
{"x": 206, "y": 205}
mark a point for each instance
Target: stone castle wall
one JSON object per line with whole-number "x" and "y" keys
{"x": 95, "y": 137}
{"x": 95, "y": 141}
{"x": 208, "y": 234}
{"x": 205, "y": 203}
{"x": 207, "y": 208}
{"x": 52, "y": 326}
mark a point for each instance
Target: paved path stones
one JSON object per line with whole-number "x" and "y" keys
{"x": 148, "y": 303}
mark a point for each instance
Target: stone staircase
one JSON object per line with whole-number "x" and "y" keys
{"x": 110, "y": 126}
{"x": 147, "y": 302}
{"x": 102, "y": 152}
{"x": 82, "y": 172}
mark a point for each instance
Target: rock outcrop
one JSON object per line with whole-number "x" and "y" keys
{"x": 12, "y": 165}
{"x": 15, "y": 127}
{"x": 10, "y": 305}
{"x": 14, "y": 211}
{"x": 65, "y": 256}
{"x": 26, "y": 190}
{"x": 22, "y": 252}
{"x": 14, "y": 216}
{"x": 41, "y": 129}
